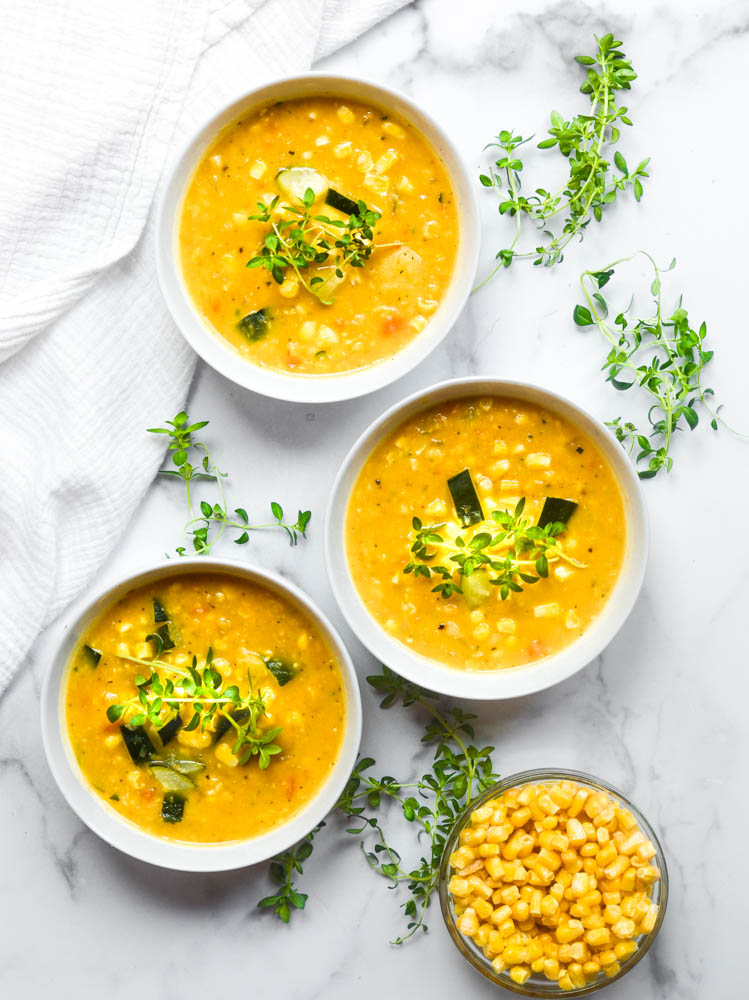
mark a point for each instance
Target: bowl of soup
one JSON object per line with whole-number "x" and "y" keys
{"x": 486, "y": 538}
{"x": 317, "y": 238}
{"x": 201, "y": 716}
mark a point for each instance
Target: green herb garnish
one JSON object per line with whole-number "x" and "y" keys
{"x": 518, "y": 553}
{"x": 164, "y": 688}
{"x": 183, "y": 444}
{"x": 664, "y": 355}
{"x": 584, "y": 141}
{"x": 430, "y": 805}
{"x": 303, "y": 241}
{"x": 282, "y": 870}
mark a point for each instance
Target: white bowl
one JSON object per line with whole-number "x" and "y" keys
{"x": 217, "y": 351}
{"x": 509, "y": 682}
{"x": 97, "y": 814}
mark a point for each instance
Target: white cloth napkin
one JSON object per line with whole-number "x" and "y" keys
{"x": 93, "y": 98}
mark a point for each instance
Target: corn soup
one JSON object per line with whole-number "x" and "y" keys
{"x": 254, "y": 756}
{"x": 511, "y": 491}
{"x": 341, "y": 307}
{"x": 554, "y": 879}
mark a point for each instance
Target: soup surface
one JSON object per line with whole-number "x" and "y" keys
{"x": 192, "y": 784}
{"x": 321, "y": 318}
{"x": 514, "y": 452}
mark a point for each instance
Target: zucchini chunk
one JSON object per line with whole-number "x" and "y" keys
{"x": 465, "y": 498}
{"x": 476, "y": 588}
{"x": 171, "y": 780}
{"x": 283, "y": 670}
{"x": 255, "y": 325}
{"x": 159, "y": 611}
{"x": 92, "y": 655}
{"x": 185, "y": 765}
{"x": 138, "y": 744}
{"x": 170, "y": 730}
{"x": 173, "y": 807}
{"x": 164, "y": 633}
{"x": 294, "y": 182}
{"x": 326, "y": 289}
{"x": 223, "y": 725}
{"x": 556, "y": 510}
{"x": 341, "y": 203}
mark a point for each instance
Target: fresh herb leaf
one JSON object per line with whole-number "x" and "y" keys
{"x": 429, "y": 805}
{"x": 200, "y": 528}
{"x": 662, "y": 355}
{"x": 513, "y": 553}
{"x": 593, "y": 183}
{"x": 283, "y": 869}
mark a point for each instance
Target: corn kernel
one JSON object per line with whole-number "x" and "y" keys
{"x": 520, "y": 974}
{"x": 551, "y": 968}
{"x": 623, "y": 949}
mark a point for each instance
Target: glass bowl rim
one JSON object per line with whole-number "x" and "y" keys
{"x": 474, "y": 957}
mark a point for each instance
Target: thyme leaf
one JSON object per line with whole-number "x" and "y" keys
{"x": 515, "y": 552}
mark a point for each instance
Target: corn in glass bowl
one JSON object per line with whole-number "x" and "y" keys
{"x": 537, "y": 984}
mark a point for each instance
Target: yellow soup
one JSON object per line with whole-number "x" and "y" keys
{"x": 527, "y": 592}
{"x": 345, "y": 306}
{"x": 256, "y": 755}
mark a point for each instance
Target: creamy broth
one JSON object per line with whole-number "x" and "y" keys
{"x": 513, "y": 450}
{"x": 363, "y": 153}
{"x": 243, "y": 624}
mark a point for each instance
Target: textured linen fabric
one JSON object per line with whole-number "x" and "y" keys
{"x": 93, "y": 98}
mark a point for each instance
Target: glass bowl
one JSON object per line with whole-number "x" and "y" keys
{"x": 538, "y": 985}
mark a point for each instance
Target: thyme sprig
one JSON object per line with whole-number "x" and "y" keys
{"x": 662, "y": 354}
{"x": 518, "y": 553}
{"x": 304, "y": 240}
{"x": 283, "y": 870}
{"x": 430, "y": 805}
{"x": 585, "y": 141}
{"x": 184, "y": 446}
{"x": 164, "y": 688}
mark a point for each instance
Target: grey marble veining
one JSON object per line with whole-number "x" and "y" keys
{"x": 661, "y": 713}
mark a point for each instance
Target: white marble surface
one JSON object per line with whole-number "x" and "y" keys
{"x": 661, "y": 713}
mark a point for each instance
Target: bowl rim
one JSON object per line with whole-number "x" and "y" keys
{"x": 215, "y": 349}
{"x": 120, "y": 832}
{"x": 475, "y": 958}
{"x": 508, "y": 682}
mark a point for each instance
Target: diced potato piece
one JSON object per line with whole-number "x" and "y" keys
{"x": 290, "y": 286}
{"x": 258, "y": 169}
{"x": 388, "y": 159}
{"x": 364, "y": 160}
{"x": 342, "y": 150}
{"x": 404, "y": 185}
{"x": 345, "y": 114}
{"x": 376, "y": 183}
{"x": 546, "y": 610}
{"x": 394, "y": 130}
